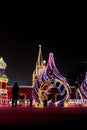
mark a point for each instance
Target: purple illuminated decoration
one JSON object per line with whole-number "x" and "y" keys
{"x": 53, "y": 84}
{"x": 83, "y": 87}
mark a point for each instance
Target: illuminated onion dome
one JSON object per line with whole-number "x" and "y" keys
{"x": 83, "y": 87}
{"x": 3, "y": 66}
{"x": 3, "y": 76}
{"x": 52, "y": 84}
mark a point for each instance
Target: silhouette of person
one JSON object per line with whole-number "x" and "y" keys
{"x": 15, "y": 91}
{"x": 31, "y": 102}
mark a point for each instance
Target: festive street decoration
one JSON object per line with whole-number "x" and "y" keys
{"x": 83, "y": 88}
{"x": 50, "y": 87}
{"x": 3, "y": 81}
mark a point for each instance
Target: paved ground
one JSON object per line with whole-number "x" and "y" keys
{"x": 47, "y": 117}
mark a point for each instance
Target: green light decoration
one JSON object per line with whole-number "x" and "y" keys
{"x": 3, "y": 65}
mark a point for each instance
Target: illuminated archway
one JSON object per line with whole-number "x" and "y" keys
{"x": 54, "y": 88}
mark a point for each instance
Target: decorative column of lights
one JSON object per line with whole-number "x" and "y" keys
{"x": 40, "y": 67}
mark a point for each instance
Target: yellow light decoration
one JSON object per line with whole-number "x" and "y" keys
{"x": 49, "y": 81}
{"x": 4, "y": 80}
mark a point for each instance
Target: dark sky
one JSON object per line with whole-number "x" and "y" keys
{"x": 19, "y": 41}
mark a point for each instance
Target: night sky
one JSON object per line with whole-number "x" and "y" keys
{"x": 19, "y": 46}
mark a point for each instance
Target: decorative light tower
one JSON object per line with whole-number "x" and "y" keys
{"x": 40, "y": 64}
{"x": 3, "y": 80}
{"x": 40, "y": 67}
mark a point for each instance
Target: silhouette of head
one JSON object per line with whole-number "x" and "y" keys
{"x": 16, "y": 83}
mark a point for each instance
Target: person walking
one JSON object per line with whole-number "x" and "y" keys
{"x": 15, "y": 91}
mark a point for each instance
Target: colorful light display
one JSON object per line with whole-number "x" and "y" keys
{"x": 51, "y": 85}
{"x": 3, "y": 80}
{"x": 83, "y": 88}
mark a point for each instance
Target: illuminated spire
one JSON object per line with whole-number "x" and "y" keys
{"x": 40, "y": 58}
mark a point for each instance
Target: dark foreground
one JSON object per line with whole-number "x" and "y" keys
{"x": 43, "y": 118}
